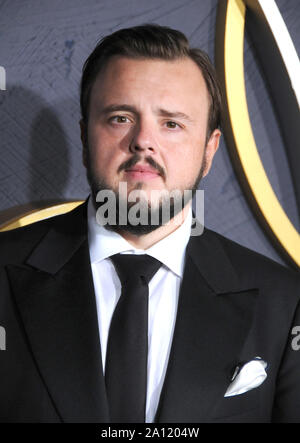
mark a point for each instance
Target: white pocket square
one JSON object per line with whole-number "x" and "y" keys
{"x": 250, "y": 376}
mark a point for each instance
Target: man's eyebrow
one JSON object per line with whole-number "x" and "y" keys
{"x": 118, "y": 107}
{"x": 174, "y": 114}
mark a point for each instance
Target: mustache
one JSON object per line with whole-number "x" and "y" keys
{"x": 136, "y": 158}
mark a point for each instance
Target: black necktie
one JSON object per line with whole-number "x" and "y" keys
{"x": 127, "y": 347}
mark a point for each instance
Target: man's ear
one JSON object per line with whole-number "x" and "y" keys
{"x": 210, "y": 150}
{"x": 83, "y": 136}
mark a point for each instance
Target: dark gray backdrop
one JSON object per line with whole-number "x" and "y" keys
{"x": 43, "y": 45}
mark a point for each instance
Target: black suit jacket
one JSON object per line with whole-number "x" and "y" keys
{"x": 234, "y": 305}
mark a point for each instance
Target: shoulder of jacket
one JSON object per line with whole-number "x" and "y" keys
{"x": 251, "y": 262}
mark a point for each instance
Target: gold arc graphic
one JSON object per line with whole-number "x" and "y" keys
{"x": 246, "y": 149}
{"x": 35, "y": 215}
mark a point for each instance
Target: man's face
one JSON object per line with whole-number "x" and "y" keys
{"x": 147, "y": 126}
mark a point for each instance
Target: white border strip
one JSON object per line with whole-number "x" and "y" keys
{"x": 284, "y": 42}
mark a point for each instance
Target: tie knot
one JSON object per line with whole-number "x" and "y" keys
{"x": 129, "y": 266}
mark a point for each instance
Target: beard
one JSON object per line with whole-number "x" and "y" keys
{"x": 154, "y": 211}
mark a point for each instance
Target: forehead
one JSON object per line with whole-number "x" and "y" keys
{"x": 124, "y": 79}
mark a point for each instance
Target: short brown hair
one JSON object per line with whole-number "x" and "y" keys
{"x": 154, "y": 42}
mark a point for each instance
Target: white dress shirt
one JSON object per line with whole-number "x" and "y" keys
{"x": 163, "y": 294}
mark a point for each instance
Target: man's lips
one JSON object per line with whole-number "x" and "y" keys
{"x": 142, "y": 172}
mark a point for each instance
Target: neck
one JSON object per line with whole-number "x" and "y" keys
{"x": 148, "y": 240}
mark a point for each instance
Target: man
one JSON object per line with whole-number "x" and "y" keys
{"x": 220, "y": 320}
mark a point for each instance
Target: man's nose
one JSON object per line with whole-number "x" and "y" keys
{"x": 143, "y": 139}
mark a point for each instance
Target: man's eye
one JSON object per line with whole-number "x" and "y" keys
{"x": 119, "y": 119}
{"x": 172, "y": 125}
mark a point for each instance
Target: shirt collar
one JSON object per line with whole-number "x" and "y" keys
{"x": 104, "y": 243}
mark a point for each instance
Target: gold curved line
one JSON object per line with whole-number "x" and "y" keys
{"x": 254, "y": 171}
{"x": 36, "y": 215}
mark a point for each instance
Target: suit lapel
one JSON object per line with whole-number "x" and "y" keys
{"x": 213, "y": 318}
{"x": 55, "y": 297}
